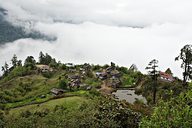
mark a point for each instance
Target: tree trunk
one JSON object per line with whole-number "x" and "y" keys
{"x": 154, "y": 90}
{"x": 185, "y": 75}
{"x": 154, "y": 96}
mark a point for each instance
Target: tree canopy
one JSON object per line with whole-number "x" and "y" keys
{"x": 186, "y": 57}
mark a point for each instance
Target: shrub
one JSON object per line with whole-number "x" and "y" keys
{"x": 138, "y": 91}
{"x": 47, "y": 74}
{"x": 63, "y": 84}
{"x": 26, "y": 114}
{"x": 2, "y": 121}
{"x": 94, "y": 92}
{"x": 116, "y": 114}
{"x": 175, "y": 113}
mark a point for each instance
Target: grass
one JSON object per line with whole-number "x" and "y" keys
{"x": 37, "y": 84}
{"x": 26, "y": 90}
{"x": 28, "y": 101}
{"x": 79, "y": 93}
{"x": 69, "y": 103}
{"x": 127, "y": 80}
{"x": 92, "y": 81}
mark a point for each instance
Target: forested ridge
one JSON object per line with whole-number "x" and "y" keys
{"x": 10, "y": 33}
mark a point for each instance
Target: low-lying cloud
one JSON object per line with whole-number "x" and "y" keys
{"x": 101, "y": 31}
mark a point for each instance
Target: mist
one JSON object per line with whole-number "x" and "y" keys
{"x": 98, "y": 32}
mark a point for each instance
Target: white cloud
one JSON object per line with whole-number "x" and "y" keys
{"x": 113, "y": 12}
{"x": 104, "y": 31}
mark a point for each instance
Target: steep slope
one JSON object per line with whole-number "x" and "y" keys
{"x": 10, "y": 33}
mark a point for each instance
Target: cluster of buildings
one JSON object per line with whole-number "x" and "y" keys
{"x": 74, "y": 81}
{"x": 111, "y": 75}
{"x": 76, "y": 76}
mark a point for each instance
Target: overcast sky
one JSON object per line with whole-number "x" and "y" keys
{"x": 101, "y": 31}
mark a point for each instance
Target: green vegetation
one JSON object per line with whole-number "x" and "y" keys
{"x": 175, "y": 113}
{"x": 48, "y": 93}
{"x": 26, "y": 100}
{"x": 152, "y": 68}
{"x": 186, "y": 57}
{"x": 66, "y": 112}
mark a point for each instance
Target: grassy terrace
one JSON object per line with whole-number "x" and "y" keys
{"x": 68, "y": 102}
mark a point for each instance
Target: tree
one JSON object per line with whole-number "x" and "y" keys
{"x": 186, "y": 57}
{"x": 63, "y": 84}
{"x": 168, "y": 71}
{"x": 30, "y": 62}
{"x": 46, "y": 59}
{"x": 41, "y": 58}
{"x": 152, "y": 69}
{"x": 53, "y": 63}
{"x": 19, "y": 63}
{"x": 112, "y": 64}
{"x": 5, "y": 69}
{"x": 14, "y": 61}
{"x": 133, "y": 68}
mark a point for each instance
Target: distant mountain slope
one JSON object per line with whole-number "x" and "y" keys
{"x": 9, "y": 33}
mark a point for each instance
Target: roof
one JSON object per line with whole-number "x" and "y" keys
{"x": 41, "y": 66}
{"x": 115, "y": 73}
{"x": 109, "y": 68}
{"x": 166, "y": 76}
{"x": 74, "y": 77}
{"x": 101, "y": 73}
{"x": 57, "y": 91}
{"x": 69, "y": 64}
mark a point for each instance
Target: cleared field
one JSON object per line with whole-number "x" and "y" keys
{"x": 69, "y": 103}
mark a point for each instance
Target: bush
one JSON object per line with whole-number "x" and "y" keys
{"x": 2, "y": 106}
{"x": 128, "y": 80}
{"x": 63, "y": 84}
{"x": 42, "y": 113}
{"x": 19, "y": 71}
{"x": 47, "y": 74}
{"x": 2, "y": 121}
{"x": 149, "y": 99}
{"x": 138, "y": 91}
{"x": 116, "y": 114}
{"x": 94, "y": 92}
{"x": 26, "y": 114}
{"x": 175, "y": 113}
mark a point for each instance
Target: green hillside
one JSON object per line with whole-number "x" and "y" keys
{"x": 47, "y": 93}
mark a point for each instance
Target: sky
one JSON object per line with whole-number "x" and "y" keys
{"x": 100, "y": 31}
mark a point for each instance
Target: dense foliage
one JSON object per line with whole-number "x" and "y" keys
{"x": 186, "y": 57}
{"x": 175, "y": 113}
{"x": 99, "y": 112}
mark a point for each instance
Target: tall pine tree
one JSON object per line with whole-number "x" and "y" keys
{"x": 152, "y": 69}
